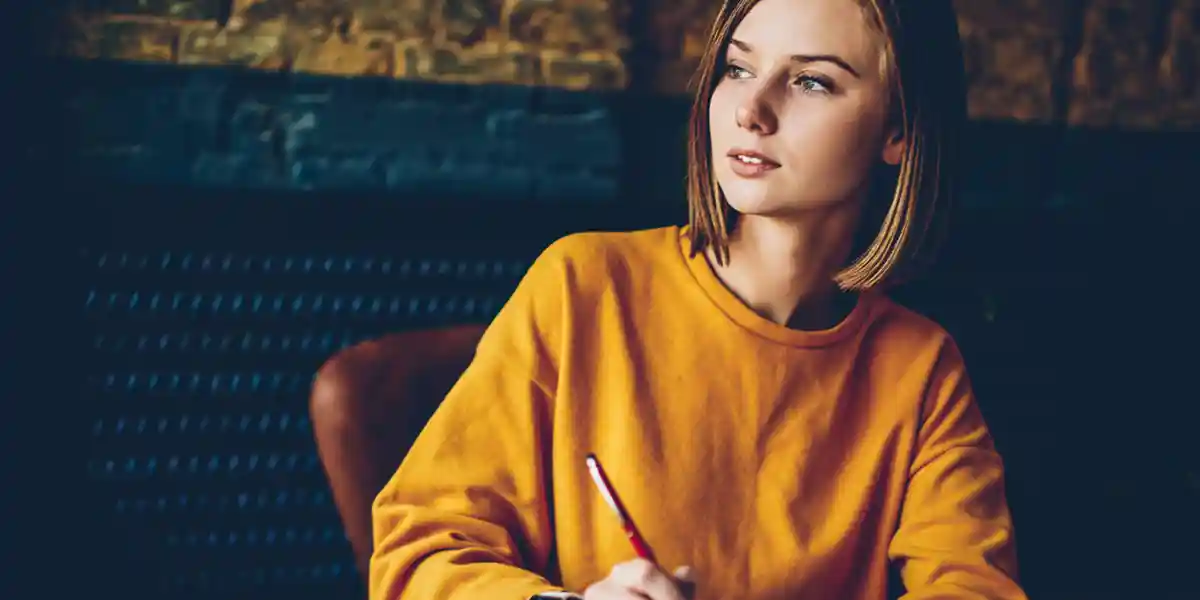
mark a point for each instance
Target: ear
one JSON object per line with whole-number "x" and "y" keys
{"x": 894, "y": 147}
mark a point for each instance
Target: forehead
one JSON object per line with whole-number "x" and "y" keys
{"x": 788, "y": 27}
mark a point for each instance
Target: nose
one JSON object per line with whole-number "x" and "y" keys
{"x": 754, "y": 114}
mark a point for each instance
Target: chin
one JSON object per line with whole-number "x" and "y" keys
{"x": 753, "y": 208}
{"x": 759, "y": 204}
{"x": 747, "y": 197}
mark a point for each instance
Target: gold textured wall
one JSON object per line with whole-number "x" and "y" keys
{"x": 1125, "y": 63}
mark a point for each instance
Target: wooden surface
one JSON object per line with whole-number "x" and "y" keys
{"x": 1124, "y": 63}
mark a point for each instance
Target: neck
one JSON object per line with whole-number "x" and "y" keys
{"x": 784, "y": 269}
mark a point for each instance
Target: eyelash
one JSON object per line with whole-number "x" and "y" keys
{"x": 730, "y": 71}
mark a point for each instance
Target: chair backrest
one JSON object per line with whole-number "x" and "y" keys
{"x": 368, "y": 403}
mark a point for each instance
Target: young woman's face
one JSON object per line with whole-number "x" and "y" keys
{"x": 798, "y": 116}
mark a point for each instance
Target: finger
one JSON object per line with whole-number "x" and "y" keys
{"x": 610, "y": 590}
{"x": 644, "y": 577}
{"x": 632, "y": 573}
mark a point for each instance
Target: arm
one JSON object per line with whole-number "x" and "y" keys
{"x": 367, "y": 395}
{"x": 466, "y": 516}
{"x": 955, "y": 538}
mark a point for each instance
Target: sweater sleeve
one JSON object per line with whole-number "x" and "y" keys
{"x": 955, "y": 536}
{"x": 466, "y": 516}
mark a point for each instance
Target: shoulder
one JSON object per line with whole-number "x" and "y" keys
{"x": 917, "y": 359}
{"x": 577, "y": 268}
{"x": 599, "y": 247}
{"x": 564, "y": 284}
{"x": 595, "y": 257}
{"x": 900, "y": 332}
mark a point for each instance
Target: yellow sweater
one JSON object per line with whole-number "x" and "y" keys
{"x": 780, "y": 464}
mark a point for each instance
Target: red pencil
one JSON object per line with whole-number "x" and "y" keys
{"x": 614, "y": 501}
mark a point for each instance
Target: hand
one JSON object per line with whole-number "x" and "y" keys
{"x": 640, "y": 580}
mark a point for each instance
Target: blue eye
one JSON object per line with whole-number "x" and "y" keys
{"x": 812, "y": 85}
{"x": 736, "y": 72}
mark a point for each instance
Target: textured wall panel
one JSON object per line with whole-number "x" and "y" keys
{"x": 372, "y": 54}
{"x": 193, "y": 10}
{"x": 324, "y": 133}
{"x": 678, "y": 32}
{"x": 1012, "y": 50}
{"x": 261, "y": 46}
{"x": 198, "y": 379}
{"x": 1115, "y": 73}
{"x": 1137, "y": 66}
{"x": 564, "y": 44}
{"x": 1134, "y": 64}
{"x": 1179, "y": 67}
{"x": 153, "y": 41}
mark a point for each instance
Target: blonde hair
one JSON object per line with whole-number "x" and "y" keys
{"x": 923, "y": 64}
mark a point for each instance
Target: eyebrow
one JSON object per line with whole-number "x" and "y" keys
{"x": 805, "y": 58}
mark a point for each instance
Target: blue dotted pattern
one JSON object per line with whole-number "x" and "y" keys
{"x": 301, "y": 264}
{"x": 201, "y": 366}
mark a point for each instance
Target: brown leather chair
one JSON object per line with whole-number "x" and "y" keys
{"x": 368, "y": 403}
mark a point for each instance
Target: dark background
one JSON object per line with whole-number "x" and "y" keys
{"x": 186, "y": 246}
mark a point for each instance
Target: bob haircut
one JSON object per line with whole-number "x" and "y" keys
{"x": 923, "y": 65}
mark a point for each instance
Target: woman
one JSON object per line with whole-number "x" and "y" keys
{"x": 770, "y": 419}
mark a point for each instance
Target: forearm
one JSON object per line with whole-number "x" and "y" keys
{"x": 955, "y": 538}
{"x": 466, "y": 516}
{"x": 463, "y": 573}
{"x": 437, "y": 552}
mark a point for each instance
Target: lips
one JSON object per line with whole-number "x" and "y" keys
{"x": 751, "y": 163}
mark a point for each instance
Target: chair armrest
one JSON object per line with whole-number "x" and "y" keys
{"x": 368, "y": 403}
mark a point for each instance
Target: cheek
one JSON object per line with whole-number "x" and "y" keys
{"x": 720, "y": 115}
{"x": 829, "y": 133}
